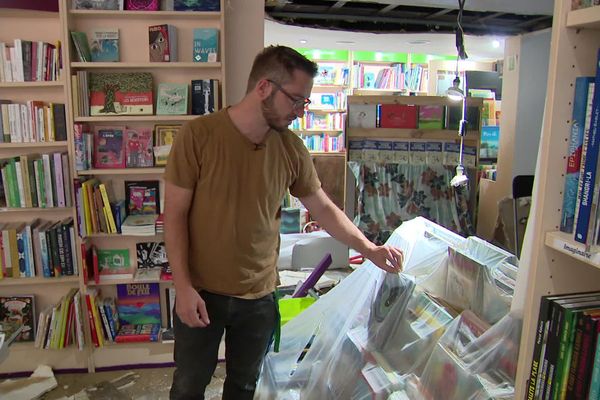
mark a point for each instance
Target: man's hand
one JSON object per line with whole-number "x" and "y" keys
{"x": 191, "y": 309}
{"x": 387, "y": 258}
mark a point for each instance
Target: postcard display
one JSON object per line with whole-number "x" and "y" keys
{"x": 442, "y": 329}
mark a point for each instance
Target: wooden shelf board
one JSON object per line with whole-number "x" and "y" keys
{"x": 123, "y": 171}
{"x": 33, "y": 145}
{"x": 144, "y": 64}
{"x": 306, "y": 132}
{"x": 327, "y": 110}
{"x": 134, "y": 118}
{"x": 392, "y": 133}
{"x": 27, "y": 13}
{"x": 326, "y": 88}
{"x": 584, "y": 18}
{"x": 36, "y": 209}
{"x": 128, "y": 14}
{"x": 119, "y": 235}
{"x": 108, "y": 282}
{"x": 565, "y": 243}
{"x": 328, "y": 153}
{"x": 38, "y": 281}
{"x": 417, "y": 100}
{"x": 36, "y": 84}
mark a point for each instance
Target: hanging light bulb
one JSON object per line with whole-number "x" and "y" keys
{"x": 454, "y": 92}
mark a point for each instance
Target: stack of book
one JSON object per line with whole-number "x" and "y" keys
{"x": 160, "y": 224}
{"x": 139, "y": 225}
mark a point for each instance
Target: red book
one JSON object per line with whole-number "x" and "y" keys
{"x": 398, "y": 116}
{"x": 91, "y": 321}
{"x": 129, "y": 333}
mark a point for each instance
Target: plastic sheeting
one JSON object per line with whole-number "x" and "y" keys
{"x": 385, "y": 336}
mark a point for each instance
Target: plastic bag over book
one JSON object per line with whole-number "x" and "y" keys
{"x": 378, "y": 335}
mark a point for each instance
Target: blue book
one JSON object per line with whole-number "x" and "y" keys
{"x": 197, "y": 5}
{"x": 591, "y": 161}
{"x": 567, "y": 220}
{"x": 104, "y": 45}
{"x": 206, "y": 45}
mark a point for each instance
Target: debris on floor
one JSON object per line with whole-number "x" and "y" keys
{"x": 41, "y": 381}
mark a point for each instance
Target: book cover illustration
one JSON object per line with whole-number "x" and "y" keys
{"x": 126, "y": 93}
{"x": 142, "y": 197}
{"x": 138, "y": 148}
{"x": 104, "y": 45}
{"x": 151, "y": 255}
{"x": 108, "y": 147}
{"x": 164, "y": 136}
{"x": 205, "y": 96}
{"x": 138, "y": 303}
{"x": 172, "y": 99}
{"x": 162, "y": 43}
{"x": 206, "y": 45}
{"x": 142, "y": 5}
{"x": 431, "y": 117}
{"x": 197, "y": 5}
{"x": 98, "y": 4}
{"x": 19, "y": 310}
{"x": 114, "y": 263}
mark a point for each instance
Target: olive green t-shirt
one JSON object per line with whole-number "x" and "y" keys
{"x": 235, "y": 212}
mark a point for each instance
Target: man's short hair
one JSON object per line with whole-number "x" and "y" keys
{"x": 278, "y": 63}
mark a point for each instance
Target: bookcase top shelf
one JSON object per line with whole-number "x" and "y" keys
{"x": 564, "y": 243}
{"x": 394, "y": 133}
{"x": 36, "y": 84}
{"x": 26, "y": 210}
{"x": 588, "y": 18}
{"x": 33, "y": 145}
{"x": 145, "y": 64}
{"x": 111, "y": 282}
{"x": 123, "y": 171}
{"x": 416, "y": 100}
{"x": 128, "y": 14}
{"x": 38, "y": 281}
{"x": 137, "y": 118}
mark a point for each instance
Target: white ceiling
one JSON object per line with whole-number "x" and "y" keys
{"x": 479, "y": 48}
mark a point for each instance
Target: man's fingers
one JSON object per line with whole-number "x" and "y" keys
{"x": 203, "y": 313}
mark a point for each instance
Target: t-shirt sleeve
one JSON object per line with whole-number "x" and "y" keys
{"x": 183, "y": 165}
{"x": 307, "y": 181}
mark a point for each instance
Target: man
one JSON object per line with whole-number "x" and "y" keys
{"x": 226, "y": 177}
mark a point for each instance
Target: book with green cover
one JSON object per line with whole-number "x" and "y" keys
{"x": 82, "y": 47}
{"x": 172, "y": 99}
{"x": 206, "y": 45}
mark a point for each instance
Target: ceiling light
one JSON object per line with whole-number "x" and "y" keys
{"x": 303, "y": 41}
{"x": 454, "y": 92}
{"x": 495, "y": 43}
{"x": 419, "y": 41}
{"x": 345, "y": 42}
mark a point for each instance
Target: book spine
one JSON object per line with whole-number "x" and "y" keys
{"x": 591, "y": 161}
{"x": 92, "y": 324}
{"x": 584, "y": 366}
{"x": 563, "y": 362}
{"x": 535, "y": 370}
{"x": 594, "y": 391}
{"x": 552, "y": 350}
{"x": 575, "y": 358}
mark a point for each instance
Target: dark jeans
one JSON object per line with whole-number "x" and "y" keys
{"x": 248, "y": 326}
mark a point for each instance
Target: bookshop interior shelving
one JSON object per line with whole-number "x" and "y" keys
{"x": 552, "y": 262}
{"x": 53, "y": 27}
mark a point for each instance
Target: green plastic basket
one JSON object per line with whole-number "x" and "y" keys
{"x": 290, "y": 308}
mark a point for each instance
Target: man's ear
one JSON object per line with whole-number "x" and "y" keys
{"x": 263, "y": 88}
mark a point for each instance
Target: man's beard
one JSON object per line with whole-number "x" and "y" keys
{"x": 271, "y": 116}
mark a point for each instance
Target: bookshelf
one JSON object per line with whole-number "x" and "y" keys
{"x": 551, "y": 262}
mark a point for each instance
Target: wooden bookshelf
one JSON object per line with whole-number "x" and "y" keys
{"x": 138, "y": 118}
{"x": 29, "y": 210}
{"x": 145, "y": 15}
{"x": 33, "y": 145}
{"x": 552, "y": 262}
{"x": 39, "y": 281}
{"x": 146, "y": 65}
{"x": 334, "y": 132}
{"x": 123, "y": 171}
{"x": 40, "y": 84}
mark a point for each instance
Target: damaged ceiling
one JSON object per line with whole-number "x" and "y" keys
{"x": 483, "y": 17}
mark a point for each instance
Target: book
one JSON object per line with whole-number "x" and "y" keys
{"x": 131, "y": 333}
{"x": 114, "y": 264}
{"x": 362, "y": 116}
{"x": 205, "y": 96}
{"x": 109, "y": 149}
{"x": 431, "y": 117}
{"x": 138, "y": 147}
{"x": 164, "y": 136}
{"x": 196, "y": 5}
{"x": 162, "y": 43}
{"x": 172, "y": 99}
{"x": 151, "y": 259}
{"x": 139, "y": 225}
{"x": 398, "y": 116}
{"x": 98, "y": 4}
{"x": 82, "y": 47}
{"x": 104, "y": 45}
{"x": 142, "y": 197}
{"x": 142, "y": 5}
{"x": 138, "y": 303}
{"x": 206, "y": 45}
{"x": 20, "y": 310}
{"x": 126, "y": 93}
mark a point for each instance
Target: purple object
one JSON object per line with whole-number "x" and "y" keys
{"x": 41, "y": 5}
{"x": 314, "y": 276}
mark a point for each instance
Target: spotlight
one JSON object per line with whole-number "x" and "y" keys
{"x": 454, "y": 92}
{"x": 460, "y": 179}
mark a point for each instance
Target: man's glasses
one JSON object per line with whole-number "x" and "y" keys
{"x": 296, "y": 102}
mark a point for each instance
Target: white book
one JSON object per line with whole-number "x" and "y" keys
{"x": 20, "y": 183}
{"x": 362, "y": 115}
{"x": 2, "y": 75}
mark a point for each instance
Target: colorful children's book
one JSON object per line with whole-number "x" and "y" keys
{"x": 131, "y": 333}
{"x": 206, "y": 45}
{"x": 108, "y": 147}
{"x": 98, "y": 4}
{"x": 172, "y": 99}
{"x": 162, "y": 43}
{"x": 19, "y": 310}
{"x": 114, "y": 264}
{"x": 164, "y": 136}
{"x": 142, "y": 5}
{"x": 138, "y": 303}
{"x": 138, "y": 147}
{"x": 142, "y": 197}
{"x": 126, "y": 93}
{"x": 105, "y": 45}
